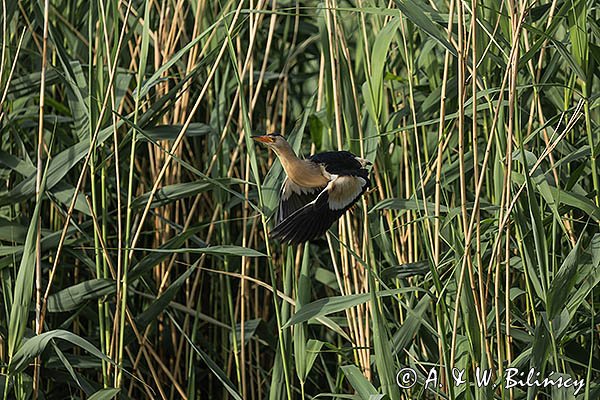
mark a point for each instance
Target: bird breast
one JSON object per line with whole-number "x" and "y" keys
{"x": 305, "y": 173}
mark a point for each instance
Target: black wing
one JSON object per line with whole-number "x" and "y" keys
{"x": 338, "y": 162}
{"x": 293, "y": 197}
{"x": 313, "y": 220}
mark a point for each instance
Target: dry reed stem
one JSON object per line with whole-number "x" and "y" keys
{"x": 180, "y": 136}
{"x": 478, "y": 199}
{"x": 38, "y": 183}
{"x": 80, "y": 179}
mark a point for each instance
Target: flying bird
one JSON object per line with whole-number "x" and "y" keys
{"x": 317, "y": 191}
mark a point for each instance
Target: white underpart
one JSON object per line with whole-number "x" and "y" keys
{"x": 343, "y": 190}
{"x": 290, "y": 187}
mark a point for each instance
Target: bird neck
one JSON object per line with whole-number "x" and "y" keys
{"x": 301, "y": 172}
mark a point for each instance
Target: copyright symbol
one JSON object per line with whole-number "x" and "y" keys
{"x": 406, "y": 378}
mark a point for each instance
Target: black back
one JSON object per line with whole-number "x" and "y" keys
{"x": 338, "y": 162}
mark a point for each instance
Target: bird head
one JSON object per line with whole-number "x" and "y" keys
{"x": 273, "y": 140}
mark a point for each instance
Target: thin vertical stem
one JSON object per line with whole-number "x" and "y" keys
{"x": 38, "y": 182}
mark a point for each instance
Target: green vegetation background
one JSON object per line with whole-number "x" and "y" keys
{"x": 134, "y": 209}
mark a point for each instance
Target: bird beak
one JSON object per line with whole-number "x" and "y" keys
{"x": 263, "y": 139}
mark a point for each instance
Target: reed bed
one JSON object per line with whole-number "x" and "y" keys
{"x": 135, "y": 260}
